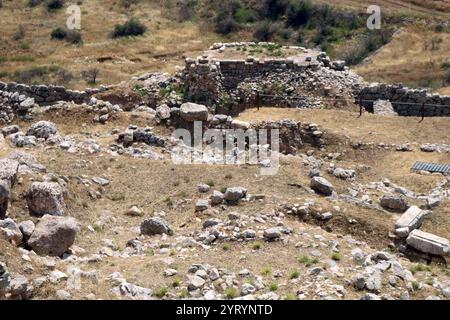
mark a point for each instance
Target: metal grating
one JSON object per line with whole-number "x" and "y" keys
{"x": 431, "y": 167}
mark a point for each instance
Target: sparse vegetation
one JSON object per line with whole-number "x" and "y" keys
{"x": 71, "y": 36}
{"x": 90, "y": 75}
{"x": 294, "y": 274}
{"x": 307, "y": 261}
{"x": 132, "y": 27}
{"x": 273, "y": 286}
{"x": 54, "y": 4}
{"x": 161, "y": 293}
{"x": 336, "y": 256}
{"x": 265, "y": 271}
{"x": 231, "y": 293}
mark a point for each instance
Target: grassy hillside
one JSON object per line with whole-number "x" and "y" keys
{"x": 178, "y": 28}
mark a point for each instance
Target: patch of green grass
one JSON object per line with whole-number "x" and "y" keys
{"x": 176, "y": 282}
{"x": 119, "y": 196}
{"x": 265, "y": 271}
{"x": 184, "y": 293}
{"x": 140, "y": 90}
{"x": 290, "y": 296}
{"x": 25, "y": 46}
{"x": 336, "y": 256}
{"x": 150, "y": 252}
{"x": 210, "y": 183}
{"x": 307, "y": 261}
{"x": 97, "y": 228}
{"x": 417, "y": 268}
{"x": 231, "y": 293}
{"x": 226, "y": 247}
{"x": 257, "y": 245}
{"x": 161, "y": 293}
{"x": 273, "y": 286}
{"x": 23, "y": 58}
{"x": 168, "y": 201}
{"x": 294, "y": 274}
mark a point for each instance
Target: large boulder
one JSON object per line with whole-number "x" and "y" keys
{"x": 155, "y": 226}
{"x": 46, "y": 198}
{"x": 428, "y": 243}
{"x": 193, "y": 112}
{"x": 8, "y": 174}
{"x": 411, "y": 219}
{"x": 393, "y": 202}
{"x": 53, "y": 235}
{"x": 10, "y": 231}
{"x": 42, "y": 129}
{"x": 163, "y": 112}
{"x": 5, "y": 279}
{"x": 322, "y": 186}
{"x": 235, "y": 194}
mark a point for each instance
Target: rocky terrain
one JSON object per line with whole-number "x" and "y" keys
{"x": 93, "y": 206}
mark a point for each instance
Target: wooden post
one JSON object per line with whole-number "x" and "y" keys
{"x": 423, "y": 111}
{"x": 257, "y": 100}
{"x": 360, "y": 107}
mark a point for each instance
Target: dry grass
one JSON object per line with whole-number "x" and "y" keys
{"x": 411, "y": 58}
{"x": 160, "y": 49}
{"x": 369, "y": 128}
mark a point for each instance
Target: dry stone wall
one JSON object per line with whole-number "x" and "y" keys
{"x": 45, "y": 95}
{"x": 406, "y": 101}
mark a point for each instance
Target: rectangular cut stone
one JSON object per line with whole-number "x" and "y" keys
{"x": 428, "y": 243}
{"x": 411, "y": 219}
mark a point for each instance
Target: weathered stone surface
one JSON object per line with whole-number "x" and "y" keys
{"x": 383, "y": 108}
{"x": 238, "y": 124}
{"x": 393, "y": 202}
{"x": 411, "y": 219}
{"x": 5, "y": 278}
{"x": 203, "y": 188}
{"x": 272, "y": 233}
{"x": 216, "y": 198}
{"x": 235, "y": 194}
{"x": 155, "y": 226}
{"x": 53, "y": 235}
{"x": 321, "y": 186}
{"x": 428, "y": 243}
{"x": 46, "y": 198}
{"x": 201, "y": 205}
{"x": 27, "y": 228}
{"x": 42, "y": 129}
{"x": 344, "y": 174}
{"x": 101, "y": 181}
{"x": 10, "y": 231}
{"x": 163, "y": 112}
{"x": 193, "y": 112}
{"x": 132, "y": 291}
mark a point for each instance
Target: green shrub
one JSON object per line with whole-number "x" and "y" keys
{"x": 245, "y": 15}
{"x": 71, "y": 36}
{"x": 59, "y": 33}
{"x": 298, "y": 13}
{"x": 231, "y": 293}
{"x": 55, "y": 4}
{"x": 273, "y": 9}
{"x": 447, "y": 78}
{"x": 265, "y": 31}
{"x": 132, "y": 27}
{"x": 34, "y": 3}
{"x": 161, "y": 293}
